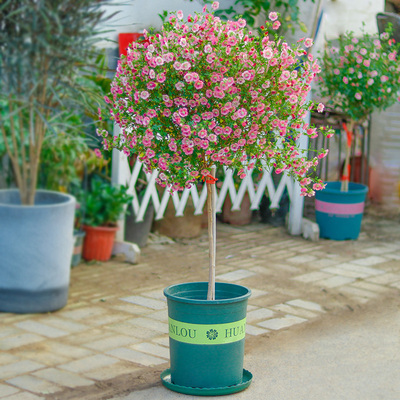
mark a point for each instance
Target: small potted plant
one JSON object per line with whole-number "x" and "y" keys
{"x": 359, "y": 75}
{"x": 201, "y": 94}
{"x": 100, "y": 209}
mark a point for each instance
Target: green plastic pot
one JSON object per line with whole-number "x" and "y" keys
{"x": 207, "y": 336}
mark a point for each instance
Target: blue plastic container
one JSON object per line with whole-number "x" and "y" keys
{"x": 339, "y": 214}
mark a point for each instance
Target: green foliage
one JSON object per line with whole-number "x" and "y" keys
{"x": 360, "y": 74}
{"x": 47, "y": 58}
{"x": 103, "y": 205}
{"x": 288, "y": 9}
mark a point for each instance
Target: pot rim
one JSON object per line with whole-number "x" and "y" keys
{"x": 354, "y": 188}
{"x": 66, "y": 199}
{"x": 218, "y": 285}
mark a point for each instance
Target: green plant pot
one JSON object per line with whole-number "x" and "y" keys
{"x": 206, "y": 337}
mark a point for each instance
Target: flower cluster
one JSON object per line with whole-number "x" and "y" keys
{"x": 206, "y": 92}
{"x": 360, "y": 75}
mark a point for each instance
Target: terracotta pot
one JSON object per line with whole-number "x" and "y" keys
{"x": 239, "y": 217}
{"x": 98, "y": 243}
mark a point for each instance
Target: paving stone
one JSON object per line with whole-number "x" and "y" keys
{"x": 9, "y": 331}
{"x": 261, "y": 270}
{"x": 324, "y": 262}
{"x": 384, "y": 279}
{"x": 300, "y": 312}
{"x": 370, "y": 286}
{"x": 145, "y": 302}
{"x": 131, "y": 308}
{"x": 359, "y": 268}
{"x": 280, "y": 323}
{"x": 149, "y": 324}
{"x": 159, "y": 316}
{"x": 155, "y": 294}
{"x": 6, "y": 390}
{"x": 335, "y": 281}
{"x": 345, "y": 272}
{"x": 308, "y": 305}
{"x": 88, "y": 363}
{"x": 7, "y": 358}
{"x": 152, "y": 348}
{"x": 395, "y": 285}
{"x": 353, "y": 291}
{"x": 255, "y": 293}
{"x": 83, "y": 313}
{"x": 261, "y": 313}
{"x": 312, "y": 277}
{"x": 22, "y": 339}
{"x": 135, "y": 356}
{"x": 41, "y": 329}
{"x": 91, "y": 335}
{"x": 19, "y": 368}
{"x": 285, "y": 268}
{"x": 64, "y": 324}
{"x": 68, "y": 351}
{"x": 393, "y": 256}
{"x": 63, "y": 378}
{"x": 105, "y": 373}
{"x": 162, "y": 340}
{"x": 301, "y": 259}
{"x": 108, "y": 319}
{"x": 234, "y": 276}
{"x": 128, "y": 329}
{"x": 24, "y": 396}
{"x": 254, "y": 330}
{"x": 380, "y": 249}
{"x": 111, "y": 342}
{"x": 34, "y": 384}
{"x": 368, "y": 261}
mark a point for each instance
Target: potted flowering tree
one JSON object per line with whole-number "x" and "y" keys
{"x": 201, "y": 94}
{"x": 359, "y": 75}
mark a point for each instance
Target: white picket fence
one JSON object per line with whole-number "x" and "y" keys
{"x": 124, "y": 175}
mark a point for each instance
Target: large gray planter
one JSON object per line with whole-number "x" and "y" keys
{"x": 35, "y": 251}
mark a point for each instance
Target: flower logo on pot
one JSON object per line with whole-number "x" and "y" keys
{"x": 212, "y": 334}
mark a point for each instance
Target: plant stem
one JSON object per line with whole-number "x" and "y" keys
{"x": 212, "y": 230}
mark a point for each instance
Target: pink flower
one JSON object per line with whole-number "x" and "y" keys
{"x": 215, "y": 5}
{"x": 345, "y": 80}
{"x": 384, "y": 78}
{"x": 150, "y": 153}
{"x": 308, "y": 42}
{"x": 273, "y": 16}
{"x": 144, "y": 95}
{"x": 198, "y": 85}
{"x": 98, "y": 153}
{"x": 183, "y": 112}
{"x": 358, "y": 96}
{"x": 320, "y": 108}
{"x": 179, "y": 14}
{"x": 276, "y": 25}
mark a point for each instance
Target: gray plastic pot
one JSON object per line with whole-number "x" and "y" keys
{"x": 35, "y": 251}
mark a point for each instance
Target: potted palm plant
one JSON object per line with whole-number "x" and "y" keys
{"x": 360, "y": 74}
{"x": 200, "y": 94}
{"x": 45, "y": 46}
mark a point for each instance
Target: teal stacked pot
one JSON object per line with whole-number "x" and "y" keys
{"x": 206, "y": 336}
{"x": 339, "y": 214}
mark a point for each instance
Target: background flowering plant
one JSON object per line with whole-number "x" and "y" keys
{"x": 207, "y": 92}
{"x": 360, "y": 75}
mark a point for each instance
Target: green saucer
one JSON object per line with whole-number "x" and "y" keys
{"x": 220, "y": 391}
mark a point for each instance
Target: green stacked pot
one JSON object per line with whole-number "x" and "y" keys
{"x": 207, "y": 338}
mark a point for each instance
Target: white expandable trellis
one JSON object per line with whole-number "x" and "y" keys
{"x": 122, "y": 174}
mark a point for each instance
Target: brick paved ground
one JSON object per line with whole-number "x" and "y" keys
{"x": 112, "y": 336}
